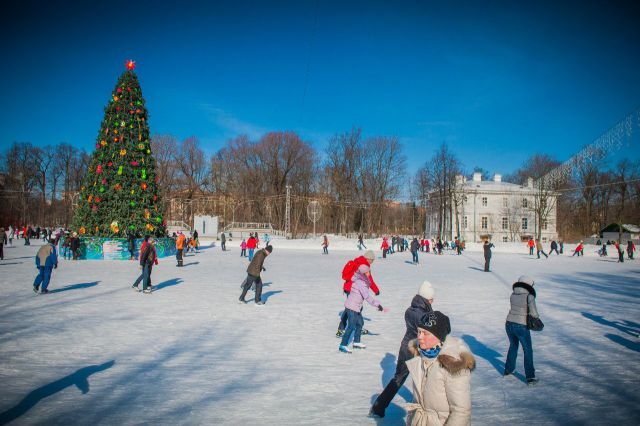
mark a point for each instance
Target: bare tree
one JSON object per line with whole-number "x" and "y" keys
{"x": 165, "y": 150}
{"x": 191, "y": 166}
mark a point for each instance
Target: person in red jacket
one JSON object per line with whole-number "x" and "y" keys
{"x": 384, "y": 247}
{"x": 252, "y": 243}
{"x": 579, "y": 250}
{"x": 367, "y": 260}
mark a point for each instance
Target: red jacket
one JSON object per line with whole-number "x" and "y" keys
{"x": 361, "y": 261}
{"x": 252, "y": 243}
{"x": 385, "y": 244}
{"x": 531, "y": 243}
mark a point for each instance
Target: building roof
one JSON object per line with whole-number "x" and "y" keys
{"x": 492, "y": 186}
{"x": 633, "y": 229}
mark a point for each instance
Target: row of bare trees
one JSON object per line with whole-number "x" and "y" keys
{"x": 356, "y": 179}
{"x": 37, "y": 184}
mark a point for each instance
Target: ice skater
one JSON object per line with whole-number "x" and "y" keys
{"x": 540, "y": 249}
{"x": 325, "y": 245}
{"x": 347, "y": 273}
{"x": 359, "y": 293}
{"x": 420, "y": 307}
{"x": 253, "y": 275}
{"x": 523, "y": 303}
{"x": 46, "y": 262}
{"x": 487, "y": 254}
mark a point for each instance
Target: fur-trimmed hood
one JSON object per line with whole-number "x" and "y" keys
{"x": 525, "y": 286}
{"x": 454, "y": 356}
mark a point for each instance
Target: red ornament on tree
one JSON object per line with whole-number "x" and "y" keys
{"x": 131, "y": 64}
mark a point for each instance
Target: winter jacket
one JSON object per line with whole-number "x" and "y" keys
{"x": 223, "y": 238}
{"x": 346, "y": 287}
{"x": 441, "y": 385}
{"x": 385, "y": 244}
{"x": 325, "y": 242}
{"x": 243, "y": 245}
{"x": 539, "y": 246}
{"x": 579, "y": 247}
{"x": 47, "y": 257}
{"x": 419, "y": 308}
{"x": 523, "y": 297}
{"x": 255, "y": 267}
{"x": 554, "y": 245}
{"x": 149, "y": 256}
{"x": 74, "y": 244}
{"x": 487, "y": 250}
{"x": 360, "y": 291}
{"x": 252, "y": 243}
{"x": 415, "y": 246}
{"x": 180, "y": 242}
{"x": 142, "y": 248}
{"x": 531, "y": 243}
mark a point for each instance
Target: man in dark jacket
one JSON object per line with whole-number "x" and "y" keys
{"x": 3, "y": 240}
{"x": 415, "y": 246}
{"x": 487, "y": 254}
{"x": 223, "y": 242}
{"x": 420, "y": 307}
{"x": 253, "y": 275}
{"x": 147, "y": 259}
{"x": 75, "y": 246}
{"x": 554, "y": 247}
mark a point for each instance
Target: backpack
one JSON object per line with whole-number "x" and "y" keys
{"x": 349, "y": 269}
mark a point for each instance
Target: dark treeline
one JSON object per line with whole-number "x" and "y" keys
{"x": 356, "y": 180}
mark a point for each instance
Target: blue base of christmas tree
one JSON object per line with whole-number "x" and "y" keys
{"x": 99, "y": 248}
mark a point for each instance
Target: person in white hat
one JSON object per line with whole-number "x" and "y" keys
{"x": 419, "y": 309}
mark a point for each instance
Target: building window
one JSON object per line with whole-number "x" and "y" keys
{"x": 505, "y": 223}
{"x": 544, "y": 224}
{"x": 525, "y": 203}
{"x": 465, "y": 222}
{"x": 544, "y": 239}
{"x": 505, "y": 202}
{"x": 525, "y": 222}
{"x": 485, "y": 222}
{"x": 484, "y": 201}
{"x": 505, "y": 239}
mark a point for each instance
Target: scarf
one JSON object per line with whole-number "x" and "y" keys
{"x": 430, "y": 353}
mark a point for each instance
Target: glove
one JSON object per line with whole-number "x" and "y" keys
{"x": 380, "y": 308}
{"x": 55, "y": 266}
{"x": 264, "y": 269}
{"x": 378, "y": 293}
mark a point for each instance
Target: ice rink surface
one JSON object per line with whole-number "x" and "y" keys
{"x": 95, "y": 352}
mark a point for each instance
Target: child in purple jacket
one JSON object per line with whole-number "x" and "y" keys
{"x": 353, "y": 306}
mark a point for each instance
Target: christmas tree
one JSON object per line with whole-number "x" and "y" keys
{"x": 120, "y": 192}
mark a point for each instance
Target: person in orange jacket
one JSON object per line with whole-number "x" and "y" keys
{"x": 180, "y": 245}
{"x": 531, "y": 245}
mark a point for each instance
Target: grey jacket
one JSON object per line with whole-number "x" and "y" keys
{"x": 523, "y": 297}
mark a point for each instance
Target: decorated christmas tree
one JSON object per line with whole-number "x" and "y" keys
{"x": 120, "y": 192}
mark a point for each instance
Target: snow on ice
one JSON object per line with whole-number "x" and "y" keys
{"x": 95, "y": 352}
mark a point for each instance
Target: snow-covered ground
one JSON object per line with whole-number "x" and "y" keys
{"x": 94, "y": 352}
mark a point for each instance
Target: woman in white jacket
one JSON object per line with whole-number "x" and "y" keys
{"x": 441, "y": 375}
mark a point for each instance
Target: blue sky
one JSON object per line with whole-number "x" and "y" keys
{"x": 497, "y": 80}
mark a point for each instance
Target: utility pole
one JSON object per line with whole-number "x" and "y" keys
{"x": 287, "y": 214}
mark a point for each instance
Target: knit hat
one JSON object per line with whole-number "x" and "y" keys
{"x": 437, "y": 324}
{"x": 426, "y": 290}
{"x": 269, "y": 248}
{"x": 369, "y": 255}
{"x": 525, "y": 279}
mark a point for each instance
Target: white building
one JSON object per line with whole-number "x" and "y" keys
{"x": 497, "y": 210}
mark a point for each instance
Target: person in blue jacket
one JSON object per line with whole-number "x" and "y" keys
{"x": 46, "y": 261}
